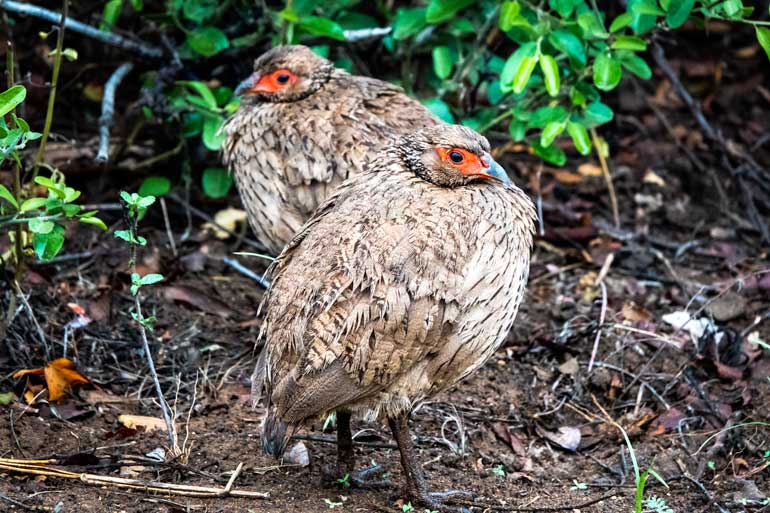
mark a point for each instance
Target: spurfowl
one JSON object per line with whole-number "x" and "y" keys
{"x": 402, "y": 283}
{"x": 302, "y": 127}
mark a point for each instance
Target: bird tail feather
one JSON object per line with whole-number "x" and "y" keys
{"x": 276, "y": 434}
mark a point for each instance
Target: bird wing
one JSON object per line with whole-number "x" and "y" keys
{"x": 362, "y": 295}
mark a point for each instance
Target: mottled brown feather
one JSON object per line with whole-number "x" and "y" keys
{"x": 289, "y": 156}
{"x": 394, "y": 290}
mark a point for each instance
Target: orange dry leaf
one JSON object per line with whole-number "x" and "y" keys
{"x": 60, "y": 375}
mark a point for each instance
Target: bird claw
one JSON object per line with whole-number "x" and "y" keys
{"x": 337, "y": 475}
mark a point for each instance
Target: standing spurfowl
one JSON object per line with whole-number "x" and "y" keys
{"x": 302, "y": 127}
{"x": 402, "y": 283}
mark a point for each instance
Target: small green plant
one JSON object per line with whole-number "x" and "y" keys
{"x": 344, "y": 481}
{"x": 657, "y": 505}
{"x": 498, "y": 470}
{"x": 406, "y": 508}
{"x": 135, "y": 207}
{"x": 578, "y": 486}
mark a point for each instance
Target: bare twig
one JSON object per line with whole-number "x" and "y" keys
{"x": 169, "y": 233}
{"x": 31, "y": 313}
{"x": 246, "y": 272}
{"x": 353, "y": 36}
{"x": 87, "y": 30}
{"x": 599, "y": 327}
{"x": 108, "y": 109}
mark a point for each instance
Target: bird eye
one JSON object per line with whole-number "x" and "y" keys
{"x": 456, "y": 157}
{"x": 283, "y": 78}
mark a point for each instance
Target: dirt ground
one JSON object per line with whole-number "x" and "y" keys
{"x": 533, "y": 430}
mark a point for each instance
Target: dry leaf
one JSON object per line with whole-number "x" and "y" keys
{"x": 652, "y": 177}
{"x": 226, "y": 218}
{"x": 566, "y": 176}
{"x": 60, "y": 375}
{"x": 566, "y": 437}
{"x": 140, "y": 421}
{"x": 589, "y": 169}
{"x": 635, "y": 313}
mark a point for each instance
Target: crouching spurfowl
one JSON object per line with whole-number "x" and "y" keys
{"x": 402, "y": 283}
{"x": 302, "y": 127}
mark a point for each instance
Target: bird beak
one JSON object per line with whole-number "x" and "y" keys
{"x": 249, "y": 85}
{"x": 494, "y": 170}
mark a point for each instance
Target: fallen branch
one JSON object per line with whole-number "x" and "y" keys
{"x": 108, "y": 109}
{"x": 40, "y": 467}
{"x": 87, "y": 30}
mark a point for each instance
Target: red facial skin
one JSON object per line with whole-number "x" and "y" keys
{"x": 471, "y": 164}
{"x": 271, "y": 84}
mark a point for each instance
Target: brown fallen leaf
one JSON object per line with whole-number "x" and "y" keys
{"x": 635, "y": 313}
{"x": 140, "y": 421}
{"x": 198, "y": 299}
{"x": 60, "y": 376}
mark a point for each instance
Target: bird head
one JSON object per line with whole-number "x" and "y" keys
{"x": 451, "y": 156}
{"x": 285, "y": 74}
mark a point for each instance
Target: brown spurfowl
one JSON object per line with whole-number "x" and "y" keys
{"x": 302, "y": 127}
{"x": 402, "y": 283}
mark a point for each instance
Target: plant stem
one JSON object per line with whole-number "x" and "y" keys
{"x": 18, "y": 251}
{"x": 607, "y": 178}
{"x": 52, "y": 95}
{"x": 132, "y": 219}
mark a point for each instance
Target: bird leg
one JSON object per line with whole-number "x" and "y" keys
{"x": 416, "y": 486}
{"x": 345, "y": 473}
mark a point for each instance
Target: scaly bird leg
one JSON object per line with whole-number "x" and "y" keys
{"x": 346, "y": 461}
{"x": 416, "y": 486}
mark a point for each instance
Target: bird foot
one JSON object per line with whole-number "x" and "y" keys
{"x": 433, "y": 501}
{"x": 339, "y": 475}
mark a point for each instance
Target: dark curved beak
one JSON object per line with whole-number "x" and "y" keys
{"x": 495, "y": 170}
{"x": 248, "y": 84}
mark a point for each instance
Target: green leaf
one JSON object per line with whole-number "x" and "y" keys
{"x": 518, "y": 130}
{"x": 632, "y": 43}
{"x": 150, "y": 279}
{"x": 579, "y": 135}
{"x": 598, "y": 113}
{"x": 547, "y": 114}
{"x": 10, "y": 98}
{"x": 207, "y": 41}
{"x": 568, "y": 43}
{"x": 110, "y": 14}
{"x": 211, "y": 135}
{"x": 199, "y": 10}
{"x": 442, "y": 61}
{"x": 442, "y": 10}
{"x": 32, "y": 204}
{"x": 440, "y": 109}
{"x": 763, "y": 36}
{"x": 408, "y": 22}
{"x": 41, "y": 226}
{"x": 319, "y": 26}
{"x": 94, "y": 221}
{"x": 563, "y": 7}
{"x": 509, "y": 11}
{"x": 514, "y": 63}
{"x": 155, "y": 186}
{"x": 522, "y": 75}
{"x": 592, "y": 26}
{"x": 621, "y": 21}
{"x": 48, "y": 245}
{"x": 640, "y": 23}
{"x": 216, "y": 182}
{"x": 551, "y": 75}
{"x": 7, "y": 196}
{"x": 550, "y": 132}
{"x": 209, "y": 100}
{"x": 607, "y": 72}
{"x": 552, "y": 154}
{"x": 648, "y": 7}
{"x": 678, "y": 12}
{"x": 6, "y": 398}
{"x": 145, "y": 201}
{"x": 637, "y": 66}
